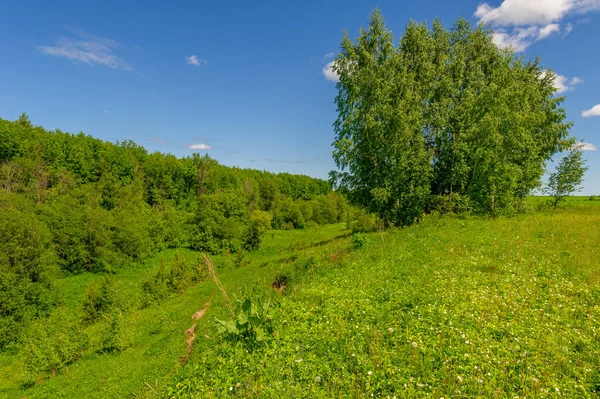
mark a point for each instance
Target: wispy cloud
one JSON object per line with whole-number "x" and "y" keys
{"x": 105, "y": 111}
{"x": 89, "y": 49}
{"x": 278, "y": 160}
{"x": 199, "y": 147}
{"x": 563, "y": 83}
{"x": 329, "y": 56}
{"x": 157, "y": 140}
{"x": 521, "y": 23}
{"x": 329, "y": 73}
{"x": 585, "y": 146}
{"x": 594, "y": 111}
{"x": 195, "y": 61}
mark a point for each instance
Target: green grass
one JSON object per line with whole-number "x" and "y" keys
{"x": 454, "y": 307}
{"x": 451, "y": 308}
{"x": 158, "y": 331}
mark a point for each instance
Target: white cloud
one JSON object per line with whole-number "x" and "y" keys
{"x": 329, "y": 73}
{"x": 199, "y": 147}
{"x": 563, "y": 83}
{"x": 519, "y": 39}
{"x": 594, "y": 111}
{"x": 105, "y": 111}
{"x": 548, "y": 30}
{"x": 585, "y": 146}
{"x": 524, "y": 22}
{"x": 533, "y": 12}
{"x": 194, "y": 60}
{"x": 329, "y": 56}
{"x": 88, "y": 49}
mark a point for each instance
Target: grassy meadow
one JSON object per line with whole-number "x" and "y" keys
{"x": 453, "y": 307}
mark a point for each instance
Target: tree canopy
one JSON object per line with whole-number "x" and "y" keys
{"x": 444, "y": 112}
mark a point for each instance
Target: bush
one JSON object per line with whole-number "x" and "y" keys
{"x": 359, "y": 240}
{"x": 53, "y": 345}
{"x": 103, "y": 299}
{"x": 117, "y": 334}
{"x": 180, "y": 275}
{"x": 365, "y": 223}
{"x": 253, "y": 324}
{"x": 593, "y": 198}
{"x": 449, "y": 203}
{"x": 260, "y": 222}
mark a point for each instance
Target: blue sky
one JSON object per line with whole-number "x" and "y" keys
{"x": 247, "y": 78}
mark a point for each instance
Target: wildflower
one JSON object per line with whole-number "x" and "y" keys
{"x": 459, "y": 378}
{"x": 298, "y": 361}
{"x": 238, "y": 385}
{"x": 318, "y": 379}
{"x": 414, "y": 344}
{"x": 391, "y": 330}
{"x": 231, "y": 388}
{"x": 370, "y": 372}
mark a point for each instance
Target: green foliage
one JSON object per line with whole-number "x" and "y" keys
{"x": 100, "y": 300}
{"x": 260, "y": 223}
{"x": 27, "y": 271}
{"x": 593, "y": 198}
{"x": 117, "y": 334}
{"x": 364, "y": 223}
{"x": 451, "y": 203}
{"x": 52, "y": 345}
{"x": 359, "y": 240}
{"x": 444, "y": 112}
{"x": 254, "y": 323}
{"x": 180, "y": 275}
{"x": 567, "y": 178}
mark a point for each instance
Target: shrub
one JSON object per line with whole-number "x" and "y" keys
{"x": 53, "y": 345}
{"x": 179, "y": 276}
{"x": 365, "y": 223}
{"x": 593, "y": 198}
{"x": 103, "y": 299}
{"x": 117, "y": 334}
{"x": 449, "y": 203}
{"x": 253, "y": 324}
{"x": 359, "y": 240}
{"x": 260, "y": 222}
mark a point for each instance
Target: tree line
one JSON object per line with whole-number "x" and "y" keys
{"x": 71, "y": 203}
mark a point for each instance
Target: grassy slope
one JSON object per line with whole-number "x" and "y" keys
{"x": 159, "y": 339}
{"x": 452, "y": 307}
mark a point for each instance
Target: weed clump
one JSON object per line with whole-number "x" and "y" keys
{"x": 359, "y": 240}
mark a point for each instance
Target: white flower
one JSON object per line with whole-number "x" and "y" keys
{"x": 231, "y": 388}
{"x": 459, "y": 378}
{"x": 298, "y": 361}
{"x": 318, "y": 379}
{"x": 414, "y": 344}
{"x": 370, "y": 372}
{"x": 391, "y": 330}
